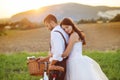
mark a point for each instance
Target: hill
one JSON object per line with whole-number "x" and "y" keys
{"x": 74, "y": 10}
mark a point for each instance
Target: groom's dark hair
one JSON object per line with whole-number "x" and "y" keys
{"x": 49, "y": 18}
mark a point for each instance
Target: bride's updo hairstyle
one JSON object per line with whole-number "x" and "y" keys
{"x": 69, "y": 21}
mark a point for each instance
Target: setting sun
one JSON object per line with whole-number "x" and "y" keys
{"x": 11, "y": 7}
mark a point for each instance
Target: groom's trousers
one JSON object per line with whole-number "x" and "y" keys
{"x": 59, "y": 75}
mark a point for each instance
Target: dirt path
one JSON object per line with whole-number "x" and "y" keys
{"x": 104, "y": 36}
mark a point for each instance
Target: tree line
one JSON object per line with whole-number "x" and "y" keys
{"x": 100, "y": 20}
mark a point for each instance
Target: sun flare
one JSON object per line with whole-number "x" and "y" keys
{"x": 11, "y": 7}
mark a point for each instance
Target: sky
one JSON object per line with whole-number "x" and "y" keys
{"x": 11, "y": 7}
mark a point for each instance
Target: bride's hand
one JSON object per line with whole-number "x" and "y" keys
{"x": 73, "y": 39}
{"x": 50, "y": 54}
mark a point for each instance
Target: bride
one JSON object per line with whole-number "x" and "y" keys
{"x": 79, "y": 67}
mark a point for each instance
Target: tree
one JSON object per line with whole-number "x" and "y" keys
{"x": 83, "y": 21}
{"x": 116, "y": 18}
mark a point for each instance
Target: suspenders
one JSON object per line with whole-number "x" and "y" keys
{"x": 63, "y": 38}
{"x": 65, "y": 43}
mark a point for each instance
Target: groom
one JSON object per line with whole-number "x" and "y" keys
{"x": 58, "y": 41}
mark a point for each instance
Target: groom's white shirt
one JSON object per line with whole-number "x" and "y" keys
{"x": 57, "y": 43}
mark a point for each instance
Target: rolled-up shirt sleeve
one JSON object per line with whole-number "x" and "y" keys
{"x": 57, "y": 46}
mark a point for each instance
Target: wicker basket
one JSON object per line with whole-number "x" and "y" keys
{"x": 35, "y": 68}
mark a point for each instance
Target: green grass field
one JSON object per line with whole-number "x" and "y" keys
{"x": 14, "y": 66}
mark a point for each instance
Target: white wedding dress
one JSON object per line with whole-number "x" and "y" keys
{"x": 81, "y": 67}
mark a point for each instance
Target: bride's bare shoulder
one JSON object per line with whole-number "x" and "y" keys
{"x": 74, "y": 36}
